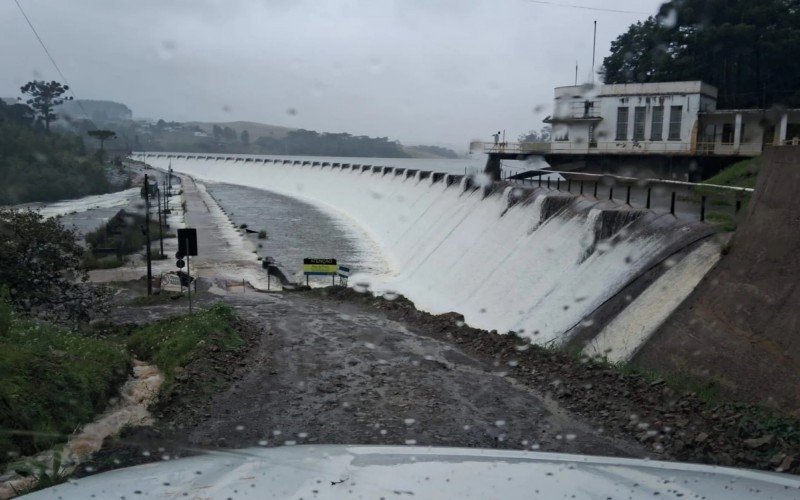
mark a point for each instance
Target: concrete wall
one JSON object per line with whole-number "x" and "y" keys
{"x": 740, "y": 328}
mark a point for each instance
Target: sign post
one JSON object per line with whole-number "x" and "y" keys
{"x": 320, "y": 267}
{"x": 187, "y": 246}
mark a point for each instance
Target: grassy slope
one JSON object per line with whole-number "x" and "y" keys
{"x": 51, "y": 381}
{"x": 720, "y": 209}
{"x": 173, "y": 342}
{"x": 741, "y": 174}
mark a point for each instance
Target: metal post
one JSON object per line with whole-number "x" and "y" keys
{"x": 558, "y": 184}
{"x": 738, "y": 206}
{"x": 672, "y": 204}
{"x": 628, "y": 196}
{"x": 548, "y": 182}
{"x": 160, "y": 228}
{"x": 581, "y": 186}
{"x": 702, "y": 208}
{"x": 647, "y": 204}
{"x": 569, "y": 185}
{"x": 611, "y": 194}
{"x": 189, "y": 274}
{"x": 540, "y": 179}
{"x": 595, "y": 189}
{"x": 147, "y": 234}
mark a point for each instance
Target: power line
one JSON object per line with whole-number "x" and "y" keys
{"x": 586, "y": 7}
{"x": 49, "y": 56}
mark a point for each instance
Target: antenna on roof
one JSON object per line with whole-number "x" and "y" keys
{"x": 594, "y": 46}
{"x": 576, "y": 73}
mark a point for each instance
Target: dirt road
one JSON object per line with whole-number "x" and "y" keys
{"x": 329, "y": 372}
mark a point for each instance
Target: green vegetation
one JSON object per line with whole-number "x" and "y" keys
{"x": 740, "y": 174}
{"x": 739, "y": 46}
{"x": 173, "y": 342}
{"x": 45, "y": 474}
{"x": 262, "y": 235}
{"x": 52, "y": 380}
{"x": 43, "y": 97}
{"x": 122, "y": 235}
{"x": 721, "y": 202}
{"x": 40, "y": 262}
{"x": 723, "y": 220}
{"x": 40, "y": 166}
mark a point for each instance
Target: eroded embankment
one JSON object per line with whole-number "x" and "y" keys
{"x": 526, "y": 260}
{"x": 740, "y": 329}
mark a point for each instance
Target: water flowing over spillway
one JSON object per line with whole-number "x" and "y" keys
{"x": 527, "y": 260}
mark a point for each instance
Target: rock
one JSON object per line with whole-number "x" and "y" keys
{"x": 701, "y": 438}
{"x": 776, "y": 459}
{"x": 760, "y": 443}
{"x": 786, "y": 463}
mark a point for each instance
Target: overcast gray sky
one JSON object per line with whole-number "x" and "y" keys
{"x": 421, "y": 71}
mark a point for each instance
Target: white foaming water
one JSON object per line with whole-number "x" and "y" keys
{"x": 502, "y": 267}
{"x": 117, "y": 199}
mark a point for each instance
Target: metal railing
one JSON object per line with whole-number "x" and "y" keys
{"x": 626, "y": 147}
{"x": 688, "y": 200}
{"x": 517, "y": 147}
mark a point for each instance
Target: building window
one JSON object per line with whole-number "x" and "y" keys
{"x": 622, "y": 123}
{"x": 675, "y": 115}
{"x": 727, "y": 133}
{"x": 657, "y": 124}
{"x": 639, "y": 114}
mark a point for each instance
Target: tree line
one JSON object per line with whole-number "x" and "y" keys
{"x": 38, "y": 164}
{"x": 744, "y": 48}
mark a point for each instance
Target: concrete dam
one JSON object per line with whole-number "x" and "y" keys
{"x": 557, "y": 268}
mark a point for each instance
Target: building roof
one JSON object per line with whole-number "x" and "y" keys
{"x": 626, "y": 89}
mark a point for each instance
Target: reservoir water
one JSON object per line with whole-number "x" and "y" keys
{"x": 297, "y": 230}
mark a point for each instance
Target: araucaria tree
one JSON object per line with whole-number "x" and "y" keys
{"x": 44, "y": 96}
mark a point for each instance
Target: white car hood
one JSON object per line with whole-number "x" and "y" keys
{"x": 399, "y": 471}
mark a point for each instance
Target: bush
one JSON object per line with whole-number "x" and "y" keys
{"x": 262, "y": 235}
{"x": 123, "y": 234}
{"x": 40, "y": 262}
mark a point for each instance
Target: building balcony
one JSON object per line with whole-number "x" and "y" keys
{"x": 523, "y": 148}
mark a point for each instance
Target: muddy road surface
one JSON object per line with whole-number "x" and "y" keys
{"x": 342, "y": 373}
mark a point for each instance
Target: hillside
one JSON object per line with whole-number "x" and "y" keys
{"x": 254, "y": 129}
{"x": 98, "y": 111}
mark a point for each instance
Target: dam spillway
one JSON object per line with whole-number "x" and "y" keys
{"x": 540, "y": 263}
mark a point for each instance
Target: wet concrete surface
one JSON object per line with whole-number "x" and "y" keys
{"x": 342, "y": 373}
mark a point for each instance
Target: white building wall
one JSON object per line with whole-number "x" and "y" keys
{"x": 607, "y": 99}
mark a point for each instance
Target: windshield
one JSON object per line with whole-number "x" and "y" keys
{"x": 517, "y": 240}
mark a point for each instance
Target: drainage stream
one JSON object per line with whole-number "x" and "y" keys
{"x": 136, "y": 395}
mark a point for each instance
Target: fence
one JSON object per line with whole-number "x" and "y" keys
{"x": 682, "y": 199}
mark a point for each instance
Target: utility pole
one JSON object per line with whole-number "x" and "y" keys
{"x": 160, "y": 230}
{"x": 147, "y": 234}
{"x": 166, "y": 201}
